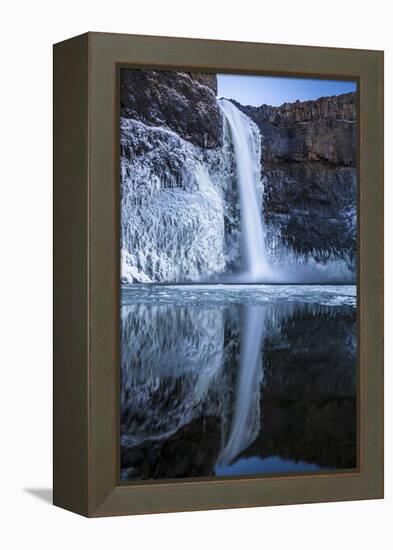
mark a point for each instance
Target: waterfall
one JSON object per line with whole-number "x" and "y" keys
{"x": 248, "y": 169}
{"x": 195, "y": 214}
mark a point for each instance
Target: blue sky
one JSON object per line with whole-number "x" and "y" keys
{"x": 274, "y": 90}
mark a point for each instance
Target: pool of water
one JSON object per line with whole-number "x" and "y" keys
{"x": 229, "y": 380}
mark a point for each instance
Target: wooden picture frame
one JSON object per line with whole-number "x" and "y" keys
{"x": 86, "y": 273}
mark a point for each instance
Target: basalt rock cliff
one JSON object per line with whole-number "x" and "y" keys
{"x": 309, "y": 164}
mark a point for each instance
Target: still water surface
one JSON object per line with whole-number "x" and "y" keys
{"x": 228, "y": 380}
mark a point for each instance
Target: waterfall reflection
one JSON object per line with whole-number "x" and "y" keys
{"x": 233, "y": 382}
{"x": 246, "y": 417}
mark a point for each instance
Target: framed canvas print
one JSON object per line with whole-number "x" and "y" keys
{"x": 218, "y": 274}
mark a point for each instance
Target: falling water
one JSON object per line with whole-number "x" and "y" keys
{"x": 248, "y": 169}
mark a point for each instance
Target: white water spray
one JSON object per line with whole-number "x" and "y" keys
{"x": 248, "y": 169}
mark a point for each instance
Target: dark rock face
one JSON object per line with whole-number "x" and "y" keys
{"x": 309, "y": 164}
{"x": 182, "y": 102}
{"x": 323, "y": 130}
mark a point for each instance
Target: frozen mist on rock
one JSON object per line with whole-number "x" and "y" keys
{"x": 172, "y": 215}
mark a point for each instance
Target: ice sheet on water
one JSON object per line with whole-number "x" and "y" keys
{"x": 220, "y": 295}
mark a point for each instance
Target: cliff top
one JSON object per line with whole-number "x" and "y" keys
{"x": 342, "y": 107}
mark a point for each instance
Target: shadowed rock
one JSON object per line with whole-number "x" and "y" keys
{"x": 182, "y": 102}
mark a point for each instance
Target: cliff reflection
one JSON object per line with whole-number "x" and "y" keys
{"x": 215, "y": 386}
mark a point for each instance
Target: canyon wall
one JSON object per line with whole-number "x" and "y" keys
{"x": 309, "y": 164}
